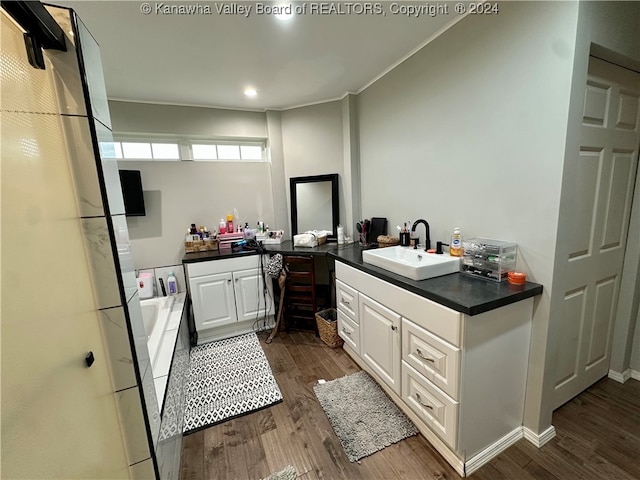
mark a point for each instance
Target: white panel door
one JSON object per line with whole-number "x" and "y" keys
{"x": 380, "y": 333}
{"x": 598, "y": 220}
{"x": 250, "y": 295}
{"x": 213, "y": 300}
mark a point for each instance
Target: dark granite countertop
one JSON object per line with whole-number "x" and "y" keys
{"x": 457, "y": 291}
{"x": 285, "y": 248}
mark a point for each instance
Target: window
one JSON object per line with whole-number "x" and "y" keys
{"x": 225, "y": 152}
{"x": 178, "y": 149}
{"x": 136, "y": 150}
{"x": 165, "y": 151}
{"x": 204, "y": 152}
{"x": 251, "y": 152}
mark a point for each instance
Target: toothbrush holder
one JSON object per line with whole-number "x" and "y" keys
{"x": 405, "y": 239}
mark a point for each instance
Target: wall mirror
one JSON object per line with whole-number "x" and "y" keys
{"x": 314, "y": 204}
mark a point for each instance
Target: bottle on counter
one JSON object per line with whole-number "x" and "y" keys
{"x": 223, "y": 226}
{"x": 341, "y": 239}
{"x": 230, "y": 224}
{"x": 455, "y": 249}
{"x": 172, "y": 283}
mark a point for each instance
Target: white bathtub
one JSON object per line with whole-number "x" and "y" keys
{"x": 155, "y": 315}
{"x": 161, "y": 318}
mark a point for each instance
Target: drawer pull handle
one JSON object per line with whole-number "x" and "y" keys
{"x": 421, "y": 403}
{"x": 346, "y": 331}
{"x": 394, "y": 328}
{"x": 344, "y": 302}
{"x": 419, "y": 353}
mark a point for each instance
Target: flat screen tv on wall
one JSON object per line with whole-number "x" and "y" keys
{"x": 131, "y": 183}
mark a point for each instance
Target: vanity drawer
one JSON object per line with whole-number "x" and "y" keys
{"x": 347, "y": 300}
{"x": 349, "y": 331}
{"x": 437, "y": 360}
{"x": 434, "y": 407}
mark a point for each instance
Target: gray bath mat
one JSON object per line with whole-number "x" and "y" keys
{"x": 226, "y": 379}
{"x": 289, "y": 473}
{"x": 363, "y": 417}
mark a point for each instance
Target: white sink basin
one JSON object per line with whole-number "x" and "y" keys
{"x": 411, "y": 263}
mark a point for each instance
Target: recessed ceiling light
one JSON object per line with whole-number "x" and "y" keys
{"x": 250, "y": 92}
{"x": 285, "y": 15}
{"x": 282, "y": 10}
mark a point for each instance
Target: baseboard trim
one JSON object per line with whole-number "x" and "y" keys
{"x": 486, "y": 455}
{"x": 635, "y": 374}
{"x": 620, "y": 377}
{"x": 539, "y": 440}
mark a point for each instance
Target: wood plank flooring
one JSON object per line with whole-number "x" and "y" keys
{"x": 598, "y": 434}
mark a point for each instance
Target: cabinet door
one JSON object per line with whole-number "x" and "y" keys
{"x": 213, "y": 301}
{"x": 250, "y": 295}
{"x": 380, "y": 333}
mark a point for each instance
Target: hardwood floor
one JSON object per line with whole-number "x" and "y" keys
{"x": 598, "y": 433}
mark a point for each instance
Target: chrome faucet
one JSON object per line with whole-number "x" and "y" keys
{"x": 427, "y": 243}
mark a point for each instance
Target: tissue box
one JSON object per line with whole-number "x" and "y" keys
{"x": 305, "y": 240}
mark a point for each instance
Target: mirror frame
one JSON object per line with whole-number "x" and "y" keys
{"x": 335, "y": 206}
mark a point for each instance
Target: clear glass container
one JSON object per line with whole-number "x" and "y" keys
{"x": 490, "y": 259}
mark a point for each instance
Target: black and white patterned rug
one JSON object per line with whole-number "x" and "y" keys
{"x": 226, "y": 379}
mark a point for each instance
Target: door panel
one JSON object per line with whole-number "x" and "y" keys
{"x": 600, "y": 331}
{"x": 250, "y": 298}
{"x": 588, "y": 174}
{"x": 381, "y": 340}
{"x": 213, "y": 301}
{"x": 598, "y": 219}
{"x": 621, "y": 181}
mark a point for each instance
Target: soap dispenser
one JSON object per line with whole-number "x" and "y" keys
{"x": 455, "y": 249}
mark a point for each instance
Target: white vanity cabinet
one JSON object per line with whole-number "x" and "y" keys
{"x": 460, "y": 378}
{"x": 228, "y": 297}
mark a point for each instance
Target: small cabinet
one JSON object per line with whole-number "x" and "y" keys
{"x": 213, "y": 300}
{"x": 380, "y": 331}
{"x": 229, "y": 297}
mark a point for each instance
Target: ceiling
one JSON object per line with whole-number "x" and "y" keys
{"x": 209, "y": 59}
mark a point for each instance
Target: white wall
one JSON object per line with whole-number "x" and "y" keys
{"x": 312, "y": 141}
{"x": 470, "y": 132}
{"x": 131, "y": 117}
{"x": 180, "y": 193}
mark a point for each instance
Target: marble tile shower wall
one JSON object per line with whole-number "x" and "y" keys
{"x": 102, "y": 215}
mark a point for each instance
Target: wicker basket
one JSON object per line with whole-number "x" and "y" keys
{"x": 327, "y": 321}
{"x": 201, "y": 245}
{"x": 387, "y": 241}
